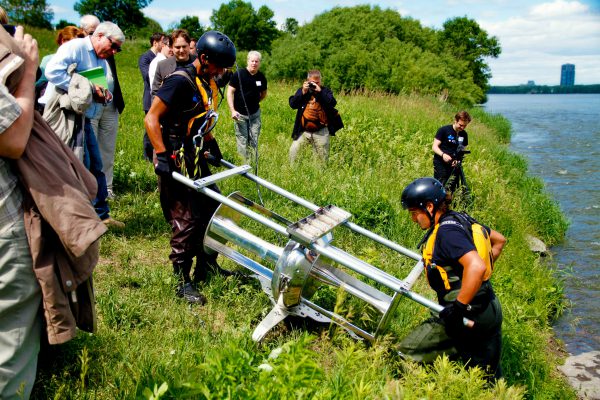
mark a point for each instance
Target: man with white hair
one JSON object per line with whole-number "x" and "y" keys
{"x": 89, "y": 23}
{"x": 87, "y": 53}
{"x": 247, "y": 88}
{"x": 106, "y": 122}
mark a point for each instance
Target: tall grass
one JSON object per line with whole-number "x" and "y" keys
{"x": 151, "y": 345}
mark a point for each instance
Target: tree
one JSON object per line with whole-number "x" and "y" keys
{"x": 290, "y": 26}
{"x": 144, "y": 32}
{"x": 62, "y": 23}
{"x": 192, "y": 25}
{"x": 465, "y": 40}
{"x": 248, "y": 29}
{"x": 29, "y": 12}
{"x": 365, "y": 47}
{"x": 127, "y": 14}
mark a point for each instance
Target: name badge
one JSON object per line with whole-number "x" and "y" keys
{"x": 258, "y": 83}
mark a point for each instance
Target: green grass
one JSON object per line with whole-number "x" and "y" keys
{"x": 150, "y": 344}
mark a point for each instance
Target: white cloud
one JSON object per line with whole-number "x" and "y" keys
{"x": 166, "y": 16}
{"x": 534, "y": 45}
{"x": 558, "y": 9}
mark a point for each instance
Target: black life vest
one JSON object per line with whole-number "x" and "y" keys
{"x": 190, "y": 120}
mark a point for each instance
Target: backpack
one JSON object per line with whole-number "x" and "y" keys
{"x": 313, "y": 117}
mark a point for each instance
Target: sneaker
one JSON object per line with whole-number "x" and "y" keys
{"x": 113, "y": 223}
{"x": 110, "y": 195}
{"x": 190, "y": 294}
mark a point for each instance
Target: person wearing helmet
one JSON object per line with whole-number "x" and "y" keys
{"x": 448, "y": 150}
{"x": 458, "y": 256}
{"x": 179, "y": 125}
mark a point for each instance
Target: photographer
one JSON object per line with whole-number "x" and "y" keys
{"x": 316, "y": 118}
{"x": 449, "y": 147}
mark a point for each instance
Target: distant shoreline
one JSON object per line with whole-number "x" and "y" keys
{"x": 544, "y": 89}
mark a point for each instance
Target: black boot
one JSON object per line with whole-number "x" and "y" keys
{"x": 185, "y": 288}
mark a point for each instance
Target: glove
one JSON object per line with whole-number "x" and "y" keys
{"x": 163, "y": 167}
{"x": 452, "y": 315}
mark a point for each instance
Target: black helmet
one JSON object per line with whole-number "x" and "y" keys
{"x": 218, "y": 48}
{"x": 421, "y": 191}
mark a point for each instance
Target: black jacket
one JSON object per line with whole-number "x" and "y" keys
{"x": 325, "y": 97}
{"x": 117, "y": 94}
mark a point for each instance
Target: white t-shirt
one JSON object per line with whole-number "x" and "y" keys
{"x": 152, "y": 68}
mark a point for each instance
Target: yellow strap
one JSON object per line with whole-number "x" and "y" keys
{"x": 428, "y": 256}
{"x": 209, "y": 102}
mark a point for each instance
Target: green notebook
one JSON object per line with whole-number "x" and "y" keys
{"x": 96, "y": 76}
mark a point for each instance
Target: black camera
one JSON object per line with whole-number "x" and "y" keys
{"x": 460, "y": 153}
{"x": 10, "y": 29}
{"x": 312, "y": 85}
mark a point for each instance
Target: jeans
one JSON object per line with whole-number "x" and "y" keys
{"x": 319, "y": 141}
{"x": 93, "y": 162}
{"x": 247, "y": 130}
{"x": 106, "y": 126}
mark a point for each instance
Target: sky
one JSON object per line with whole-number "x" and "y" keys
{"x": 536, "y": 36}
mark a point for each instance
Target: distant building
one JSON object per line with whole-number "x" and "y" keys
{"x": 567, "y": 75}
{"x": 530, "y": 83}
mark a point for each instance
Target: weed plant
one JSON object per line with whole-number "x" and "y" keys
{"x": 149, "y": 344}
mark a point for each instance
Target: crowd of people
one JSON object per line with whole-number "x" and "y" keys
{"x": 80, "y": 100}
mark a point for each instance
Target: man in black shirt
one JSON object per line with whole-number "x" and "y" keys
{"x": 247, "y": 88}
{"x": 458, "y": 257}
{"x": 448, "y": 142}
{"x": 182, "y": 105}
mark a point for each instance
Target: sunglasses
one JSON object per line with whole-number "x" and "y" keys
{"x": 113, "y": 45}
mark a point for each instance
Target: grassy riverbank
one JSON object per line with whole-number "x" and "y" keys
{"x": 147, "y": 339}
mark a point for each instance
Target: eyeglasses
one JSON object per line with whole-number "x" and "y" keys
{"x": 113, "y": 45}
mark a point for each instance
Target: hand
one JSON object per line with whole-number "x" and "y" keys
{"x": 28, "y": 45}
{"x": 29, "y": 48}
{"x": 305, "y": 87}
{"x": 452, "y": 316}
{"x": 235, "y": 115}
{"x": 99, "y": 94}
{"x": 164, "y": 166}
{"x": 446, "y": 157}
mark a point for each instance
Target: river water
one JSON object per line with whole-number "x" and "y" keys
{"x": 560, "y": 137}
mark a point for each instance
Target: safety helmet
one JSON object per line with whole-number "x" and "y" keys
{"x": 217, "y": 48}
{"x": 423, "y": 190}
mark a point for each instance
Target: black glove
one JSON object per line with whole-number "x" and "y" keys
{"x": 452, "y": 315}
{"x": 164, "y": 166}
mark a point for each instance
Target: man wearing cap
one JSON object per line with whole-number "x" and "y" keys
{"x": 182, "y": 105}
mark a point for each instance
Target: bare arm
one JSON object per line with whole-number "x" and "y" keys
{"x": 436, "y": 149}
{"x": 498, "y": 241}
{"x": 473, "y": 272}
{"x": 263, "y": 94}
{"x": 15, "y": 138}
{"x": 230, "y": 94}
{"x": 152, "y": 123}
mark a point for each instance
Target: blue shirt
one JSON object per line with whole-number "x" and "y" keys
{"x": 81, "y": 53}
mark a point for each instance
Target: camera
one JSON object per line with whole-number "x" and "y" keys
{"x": 312, "y": 85}
{"x": 10, "y": 29}
{"x": 459, "y": 155}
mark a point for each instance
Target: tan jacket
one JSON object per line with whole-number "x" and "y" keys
{"x": 63, "y": 231}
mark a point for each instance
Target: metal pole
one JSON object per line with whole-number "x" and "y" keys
{"x": 232, "y": 204}
{"x": 313, "y": 207}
